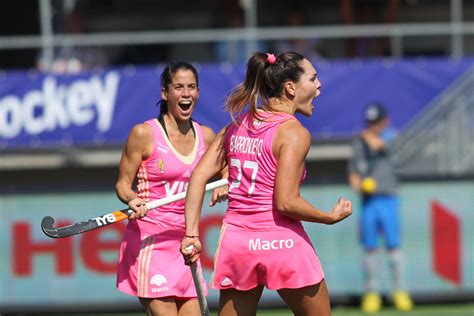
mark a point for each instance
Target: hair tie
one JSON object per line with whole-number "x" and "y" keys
{"x": 271, "y": 59}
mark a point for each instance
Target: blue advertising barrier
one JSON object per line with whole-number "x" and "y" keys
{"x": 99, "y": 108}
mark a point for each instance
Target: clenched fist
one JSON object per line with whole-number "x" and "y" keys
{"x": 342, "y": 210}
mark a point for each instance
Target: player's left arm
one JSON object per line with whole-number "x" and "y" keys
{"x": 290, "y": 147}
{"x": 211, "y": 163}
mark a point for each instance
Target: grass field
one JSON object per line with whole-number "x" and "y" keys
{"x": 425, "y": 310}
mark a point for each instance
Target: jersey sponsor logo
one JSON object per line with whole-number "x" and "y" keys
{"x": 158, "y": 280}
{"x": 161, "y": 165}
{"x": 175, "y": 187}
{"x": 60, "y": 106}
{"x": 246, "y": 145}
{"x": 104, "y": 220}
{"x": 257, "y": 122}
{"x": 226, "y": 281}
{"x": 162, "y": 149}
{"x": 275, "y": 244}
{"x": 187, "y": 174}
{"x": 159, "y": 289}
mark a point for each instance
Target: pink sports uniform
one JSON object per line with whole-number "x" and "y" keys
{"x": 150, "y": 264}
{"x": 259, "y": 245}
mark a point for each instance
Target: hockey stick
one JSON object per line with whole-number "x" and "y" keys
{"x": 200, "y": 292}
{"x": 110, "y": 218}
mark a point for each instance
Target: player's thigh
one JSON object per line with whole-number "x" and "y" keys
{"x": 310, "y": 300}
{"x": 234, "y": 302}
{"x": 188, "y": 307}
{"x": 159, "y": 306}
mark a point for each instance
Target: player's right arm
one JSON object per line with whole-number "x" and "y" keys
{"x": 138, "y": 148}
{"x": 211, "y": 163}
{"x": 290, "y": 147}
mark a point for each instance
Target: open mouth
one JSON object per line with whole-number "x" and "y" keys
{"x": 185, "y": 105}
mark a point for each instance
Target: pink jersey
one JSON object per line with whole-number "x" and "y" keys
{"x": 165, "y": 173}
{"x": 252, "y": 168}
{"x": 150, "y": 264}
{"x": 258, "y": 245}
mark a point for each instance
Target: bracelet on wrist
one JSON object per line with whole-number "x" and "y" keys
{"x": 192, "y": 236}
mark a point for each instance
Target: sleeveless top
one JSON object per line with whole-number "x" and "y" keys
{"x": 252, "y": 170}
{"x": 166, "y": 172}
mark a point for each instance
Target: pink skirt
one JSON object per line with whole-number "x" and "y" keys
{"x": 282, "y": 257}
{"x": 153, "y": 267}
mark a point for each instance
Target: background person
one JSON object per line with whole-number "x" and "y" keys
{"x": 372, "y": 175}
{"x": 262, "y": 238}
{"x": 160, "y": 155}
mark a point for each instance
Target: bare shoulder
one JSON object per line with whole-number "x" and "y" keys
{"x": 208, "y": 134}
{"x": 291, "y": 137}
{"x": 293, "y": 132}
{"x": 140, "y": 131}
{"x": 207, "y": 131}
{"x": 140, "y": 139}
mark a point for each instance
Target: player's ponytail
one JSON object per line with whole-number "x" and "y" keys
{"x": 265, "y": 77}
{"x": 247, "y": 93}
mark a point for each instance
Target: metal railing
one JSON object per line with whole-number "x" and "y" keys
{"x": 441, "y": 140}
{"x": 456, "y": 29}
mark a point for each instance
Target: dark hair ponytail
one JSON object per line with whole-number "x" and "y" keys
{"x": 264, "y": 79}
{"x": 248, "y": 91}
